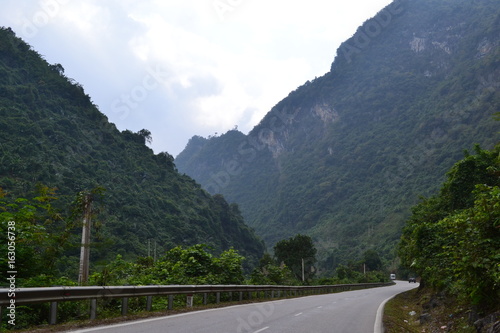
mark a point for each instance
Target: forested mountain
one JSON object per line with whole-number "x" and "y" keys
{"x": 51, "y": 133}
{"x": 343, "y": 157}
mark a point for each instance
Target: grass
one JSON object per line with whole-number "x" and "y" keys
{"x": 397, "y": 313}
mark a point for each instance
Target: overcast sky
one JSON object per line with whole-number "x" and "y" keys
{"x": 187, "y": 67}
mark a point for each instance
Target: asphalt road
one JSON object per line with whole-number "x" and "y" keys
{"x": 349, "y": 312}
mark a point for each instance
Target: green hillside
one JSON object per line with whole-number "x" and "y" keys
{"x": 51, "y": 133}
{"x": 344, "y": 157}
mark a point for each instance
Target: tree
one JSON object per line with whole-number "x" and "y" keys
{"x": 372, "y": 260}
{"x": 146, "y": 135}
{"x": 271, "y": 272}
{"x": 38, "y": 232}
{"x": 58, "y": 68}
{"x": 195, "y": 265}
{"x": 299, "y": 254}
{"x": 452, "y": 239}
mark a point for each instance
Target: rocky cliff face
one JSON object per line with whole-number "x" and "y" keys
{"x": 342, "y": 158}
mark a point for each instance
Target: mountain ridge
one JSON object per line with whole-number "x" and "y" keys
{"x": 344, "y": 157}
{"x": 52, "y": 133}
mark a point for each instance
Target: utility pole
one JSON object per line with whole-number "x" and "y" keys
{"x": 154, "y": 258}
{"x": 303, "y": 278}
{"x": 83, "y": 275}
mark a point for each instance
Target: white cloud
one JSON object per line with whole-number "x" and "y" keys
{"x": 218, "y": 73}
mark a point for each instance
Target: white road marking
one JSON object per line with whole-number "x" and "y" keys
{"x": 298, "y": 314}
{"x": 378, "y": 326}
{"x": 262, "y": 329}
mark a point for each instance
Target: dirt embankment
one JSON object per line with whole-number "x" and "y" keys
{"x": 423, "y": 310}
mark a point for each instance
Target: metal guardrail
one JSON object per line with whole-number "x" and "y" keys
{"x": 93, "y": 293}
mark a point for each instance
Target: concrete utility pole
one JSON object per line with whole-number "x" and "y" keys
{"x": 303, "y": 277}
{"x": 83, "y": 274}
{"x": 154, "y": 249}
{"x": 154, "y": 257}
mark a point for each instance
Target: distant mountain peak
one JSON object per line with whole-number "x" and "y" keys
{"x": 343, "y": 157}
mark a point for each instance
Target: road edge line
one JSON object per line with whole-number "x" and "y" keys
{"x": 379, "y": 324}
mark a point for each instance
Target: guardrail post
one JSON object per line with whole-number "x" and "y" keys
{"x": 124, "y": 306}
{"x": 218, "y": 297}
{"x": 249, "y": 295}
{"x": 53, "y": 313}
{"x": 149, "y": 303}
{"x": 230, "y": 296}
{"x": 189, "y": 301}
{"x": 205, "y": 298}
{"x": 93, "y": 309}
{"x": 170, "y": 302}
{"x": 241, "y": 296}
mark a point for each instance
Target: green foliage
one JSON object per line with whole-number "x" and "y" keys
{"x": 366, "y": 270}
{"x": 299, "y": 254}
{"x": 350, "y": 274}
{"x": 39, "y": 234}
{"x": 452, "y": 239}
{"x": 372, "y": 260}
{"x": 51, "y": 133}
{"x": 473, "y": 252}
{"x": 193, "y": 265}
{"x": 270, "y": 272}
{"x": 343, "y": 158}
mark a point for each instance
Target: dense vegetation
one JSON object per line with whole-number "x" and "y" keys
{"x": 52, "y": 134}
{"x": 329, "y": 174}
{"x": 452, "y": 239}
{"x": 344, "y": 157}
{"x": 191, "y": 265}
{"x": 299, "y": 254}
{"x": 43, "y": 235}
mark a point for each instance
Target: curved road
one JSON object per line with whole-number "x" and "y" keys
{"x": 350, "y": 312}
